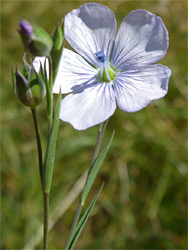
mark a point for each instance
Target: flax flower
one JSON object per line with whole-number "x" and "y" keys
{"x": 108, "y": 69}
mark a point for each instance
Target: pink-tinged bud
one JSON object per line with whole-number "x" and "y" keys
{"x": 35, "y": 39}
{"x": 26, "y": 29}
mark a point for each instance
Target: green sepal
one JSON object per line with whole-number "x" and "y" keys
{"x": 77, "y": 231}
{"x": 94, "y": 170}
{"x": 41, "y": 82}
{"x": 51, "y": 149}
{"x": 42, "y": 42}
{"x": 57, "y": 48}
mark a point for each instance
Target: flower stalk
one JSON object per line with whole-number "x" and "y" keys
{"x": 46, "y": 220}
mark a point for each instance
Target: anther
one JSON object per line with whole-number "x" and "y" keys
{"x": 101, "y": 56}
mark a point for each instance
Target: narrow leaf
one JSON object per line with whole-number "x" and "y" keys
{"x": 51, "y": 148}
{"x": 82, "y": 222}
{"x": 94, "y": 171}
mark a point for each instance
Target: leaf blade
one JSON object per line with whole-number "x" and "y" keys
{"x": 51, "y": 147}
{"x": 94, "y": 170}
{"x": 83, "y": 221}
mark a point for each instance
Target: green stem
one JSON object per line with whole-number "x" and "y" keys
{"x": 39, "y": 147}
{"x": 95, "y": 154}
{"x": 46, "y": 220}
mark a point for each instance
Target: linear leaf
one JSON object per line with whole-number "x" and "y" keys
{"x": 51, "y": 148}
{"x": 82, "y": 222}
{"x": 94, "y": 171}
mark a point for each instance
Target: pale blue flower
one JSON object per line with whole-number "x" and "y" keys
{"x": 110, "y": 69}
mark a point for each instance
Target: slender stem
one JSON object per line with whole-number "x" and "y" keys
{"x": 39, "y": 147}
{"x": 95, "y": 154}
{"x": 46, "y": 220}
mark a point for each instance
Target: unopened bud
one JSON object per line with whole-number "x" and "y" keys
{"x": 26, "y": 29}
{"x": 57, "y": 49}
{"x": 35, "y": 39}
{"x": 28, "y": 86}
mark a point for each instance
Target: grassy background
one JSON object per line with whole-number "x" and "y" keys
{"x": 143, "y": 204}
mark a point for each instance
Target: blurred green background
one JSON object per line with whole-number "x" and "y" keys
{"x": 143, "y": 204}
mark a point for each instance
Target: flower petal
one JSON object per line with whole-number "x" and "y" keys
{"x": 74, "y": 72}
{"x": 142, "y": 39}
{"x": 90, "y": 29}
{"x": 135, "y": 89}
{"x": 40, "y": 61}
{"x": 88, "y": 107}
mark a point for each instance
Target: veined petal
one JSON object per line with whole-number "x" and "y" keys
{"x": 90, "y": 29}
{"x": 142, "y": 39}
{"x": 89, "y": 107}
{"x": 74, "y": 73}
{"x": 135, "y": 89}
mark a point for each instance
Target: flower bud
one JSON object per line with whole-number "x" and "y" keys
{"x": 28, "y": 86}
{"x": 58, "y": 38}
{"x": 35, "y": 39}
{"x": 26, "y": 29}
{"x": 57, "y": 48}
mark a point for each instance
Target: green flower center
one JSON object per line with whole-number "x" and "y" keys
{"x": 108, "y": 74}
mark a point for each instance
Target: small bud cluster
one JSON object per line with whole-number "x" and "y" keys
{"x": 30, "y": 86}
